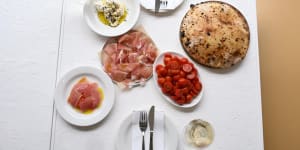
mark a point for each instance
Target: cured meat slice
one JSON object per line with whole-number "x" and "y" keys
{"x": 111, "y": 48}
{"x": 85, "y": 96}
{"x": 131, "y": 57}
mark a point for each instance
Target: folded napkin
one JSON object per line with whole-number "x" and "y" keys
{"x": 150, "y": 4}
{"x": 158, "y": 135}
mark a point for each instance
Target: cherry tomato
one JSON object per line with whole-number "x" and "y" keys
{"x": 182, "y": 82}
{"x": 169, "y": 79}
{"x": 164, "y": 91}
{"x": 182, "y": 74}
{"x": 193, "y": 94}
{"x": 189, "y": 98}
{"x": 174, "y": 98}
{"x": 168, "y": 55}
{"x": 175, "y": 58}
{"x": 198, "y": 86}
{"x": 194, "y": 90}
{"x": 178, "y": 92}
{"x": 172, "y": 72}
{"x": 174, "y": 65}
{"x": 158, "y": 67}
{"x": 167, "y": 60}
{"x": 184, "y": 60}
{"x": 191, "y": 76}
{"x": 161, "y": 81}
{"x": 180, "y": 102}
{"x": 162, "y": 72}
{"x": 176, "y": 77}
{"x": 185, "y": 91}
{"x": 187, "y": 67}
{"x": 168, "y": 86}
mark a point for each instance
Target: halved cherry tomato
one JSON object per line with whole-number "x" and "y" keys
{"x": 187, "y": 67}
{"x": 191, "y": 76}
{"x": 161, "y": 81}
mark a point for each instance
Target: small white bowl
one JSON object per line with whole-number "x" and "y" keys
{"x": 159, "y": 60}
{"x": 91, "y": 17}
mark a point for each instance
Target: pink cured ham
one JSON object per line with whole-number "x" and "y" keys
{"x": 85, "y": 96}
{"x": 129, "y": 58}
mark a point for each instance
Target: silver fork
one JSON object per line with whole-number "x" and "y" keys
{"x": 164, "y": 2}
{"x": 143, "y": 122}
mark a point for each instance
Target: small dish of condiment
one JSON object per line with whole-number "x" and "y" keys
{"x": 198, "y": 133}
{"x": 111, "y": 18}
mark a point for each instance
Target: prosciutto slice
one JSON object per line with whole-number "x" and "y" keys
{"x": 85, "y": 96}
{"x": 129, "y": 58}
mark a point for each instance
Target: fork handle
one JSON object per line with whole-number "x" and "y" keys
{"x": 151, "y": 141}
{"x": 143, "y": 145}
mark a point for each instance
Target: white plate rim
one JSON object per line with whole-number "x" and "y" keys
{"x": 195, "y": 101}
{"x": 59, "y": 98}
{"x": 104, "y": 32}
{"x": 168, "y": 125}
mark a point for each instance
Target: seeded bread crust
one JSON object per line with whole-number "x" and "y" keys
{"x": 215, "y": 34}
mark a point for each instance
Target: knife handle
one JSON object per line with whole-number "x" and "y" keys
{"x": 151, "y": 140}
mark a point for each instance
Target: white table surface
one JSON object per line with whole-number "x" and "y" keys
{"x": 32, "y": 57}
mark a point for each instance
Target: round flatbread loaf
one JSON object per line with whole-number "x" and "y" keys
{"x": 215, "y": 34}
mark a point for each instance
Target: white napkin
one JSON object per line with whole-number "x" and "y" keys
{"x": 158, "y": 135}
{"x": 150, "y": 4}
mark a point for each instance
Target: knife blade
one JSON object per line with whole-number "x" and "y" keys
{"x": 151, "y": 123}
{"x": 157, "y": 5}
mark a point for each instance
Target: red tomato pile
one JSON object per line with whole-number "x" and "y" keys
{"x": 178, "y": 79}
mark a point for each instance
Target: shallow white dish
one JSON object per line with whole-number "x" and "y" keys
{"x": 123, "y": 139}
{"x": 91, "y": 17}
{"x": 159, "y": 60}
{"x": 150, "y": 5}
{"x": 65, "y": 86}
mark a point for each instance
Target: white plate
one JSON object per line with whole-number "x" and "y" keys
{"x": 123, "y": 140}
{"x": 150, "y": 5}
{"x": 91, "y": 17}
{"x": 159, "y": 60}
{"x": 65, "y": 86}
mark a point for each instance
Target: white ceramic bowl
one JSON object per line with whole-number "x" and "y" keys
{"x": 159, "y": 60}
{"x": 91, "y": 17}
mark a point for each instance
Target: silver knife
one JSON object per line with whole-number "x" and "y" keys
{"x": 157, "y": 5}
{"x": 151, "y": 123}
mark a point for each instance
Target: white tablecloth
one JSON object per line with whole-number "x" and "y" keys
{"x": 32, "y": 55}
